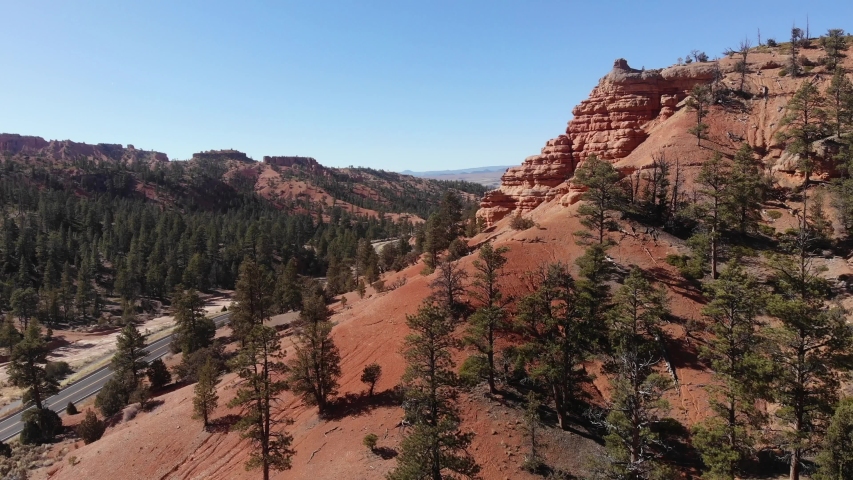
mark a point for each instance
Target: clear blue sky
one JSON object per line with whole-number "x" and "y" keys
{"x": 420, "y": 85}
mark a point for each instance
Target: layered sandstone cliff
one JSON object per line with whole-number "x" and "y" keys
{"x": 611, "y": 123}
{"x": 66, "y": 150}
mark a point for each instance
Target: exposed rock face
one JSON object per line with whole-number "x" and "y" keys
{"x": 59, "y": 150}
{"x": 611, "y": 123}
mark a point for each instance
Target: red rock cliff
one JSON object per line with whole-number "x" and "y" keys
{"x": 611, "y": 123}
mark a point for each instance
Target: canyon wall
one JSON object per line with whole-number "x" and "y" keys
{"x": 611, "y": 123}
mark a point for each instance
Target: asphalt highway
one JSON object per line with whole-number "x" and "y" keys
{"x": 89, "y": 385}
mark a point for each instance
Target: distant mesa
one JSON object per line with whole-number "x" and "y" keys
{"x": 222, "y": 155}
{"x": 292, "y": 161}
{"x": 14, "y": 144}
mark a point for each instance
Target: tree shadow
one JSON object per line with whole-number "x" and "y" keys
{"x": 353, "y": 405}
{"x": 385, "y": 453}
{"x": 222, "y": 424}
{"x": 677, "y": 283}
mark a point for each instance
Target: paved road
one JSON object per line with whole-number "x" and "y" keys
{"x": 89, "y": 385}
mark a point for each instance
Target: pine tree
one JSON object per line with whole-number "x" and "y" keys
{"x": 714, "y": 179}
{"x": 9, "y": 334}
{"x": 82, "y": 298}
{"x": 288, "y": 291}
{"x": 840, "y": 102}
{"x": 490, "y": 317}
{"x": 253, "y": 299}
{"x": 194, "y": 330}
{"x": 700, "y": 101}
{"x": 740, "y": 368}
{"x": 25, "y": 302}
{"x": 633, "y": 446}
{"x": 315, "y": 371}
{"x": 834, "y": 43}
{"x": 129, "y": 362}
{"x": 259, "y": 366}
{"x": 603, "y": 198}
{"x": 370, "y": 375}
{"x": 206, "y": 399}
{"x": 556, "y": 335}
{"x": 806, "y": 119}
{"x": 435, "y": 448}
{"x": 27, "y": 366}
{"x": 449, "y": 286}
{"x": 744, "y": 192}
{"x": 810, "y": 348}
{"x": 66, "y": 292}
{"x": 835, "y": 460}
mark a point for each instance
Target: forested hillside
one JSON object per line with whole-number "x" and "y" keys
{"x": 84, "y": 234}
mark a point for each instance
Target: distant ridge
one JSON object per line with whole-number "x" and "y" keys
{"x": 462, "y": 171}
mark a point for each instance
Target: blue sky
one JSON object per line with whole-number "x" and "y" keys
{"x": 420, "y": 85}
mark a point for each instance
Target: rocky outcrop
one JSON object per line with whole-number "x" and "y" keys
{"x": 66, "y": 150}
{"x": 611, "y": 123}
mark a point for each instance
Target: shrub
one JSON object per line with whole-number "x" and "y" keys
{"x": 158, "y": 374}
{"x": 187, "y": 370}
{"x": 370, "y": 375}
{"x": 771, "y": 42}
{"x": 70, "y": 409}
{"x": 112, "y": 398}
{"x": 458, "y": 248}
{"x": 520, "y": 223}
{"x": 40, "y": 425}
{"x": 224, "y": 309}
{"x": 91, "y": 428}
{"x": 57, "y": 370}
{"x": 378, "y": 285}
{"x": 31, "y": 434}
{"x": 5, "y": 450}
{"x": 370, "y": 441}
{"x": 473, "y": 370}
{"x": 783, "y": 72}
{"x": 141, "y": 396}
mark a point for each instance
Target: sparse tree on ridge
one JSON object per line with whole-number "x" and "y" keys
{"x": 742, "y": 66}
{"x": 603, "y": 198}
{"x": 834, "y": 43}
{"x": 434, "y": 449}
{"x": 206, "y": 399}
{"x": 261, "y": 369}
{"x": 490, "y": 316}
{"x": 448, "y": 287}
{"x": 699, "y": 101}
{"x": 315, "y": 371}
{"x": 806, "y": 121}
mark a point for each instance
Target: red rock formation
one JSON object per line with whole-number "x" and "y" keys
{"x": 611, "y": 123}
{"x": 62, "y": 150}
